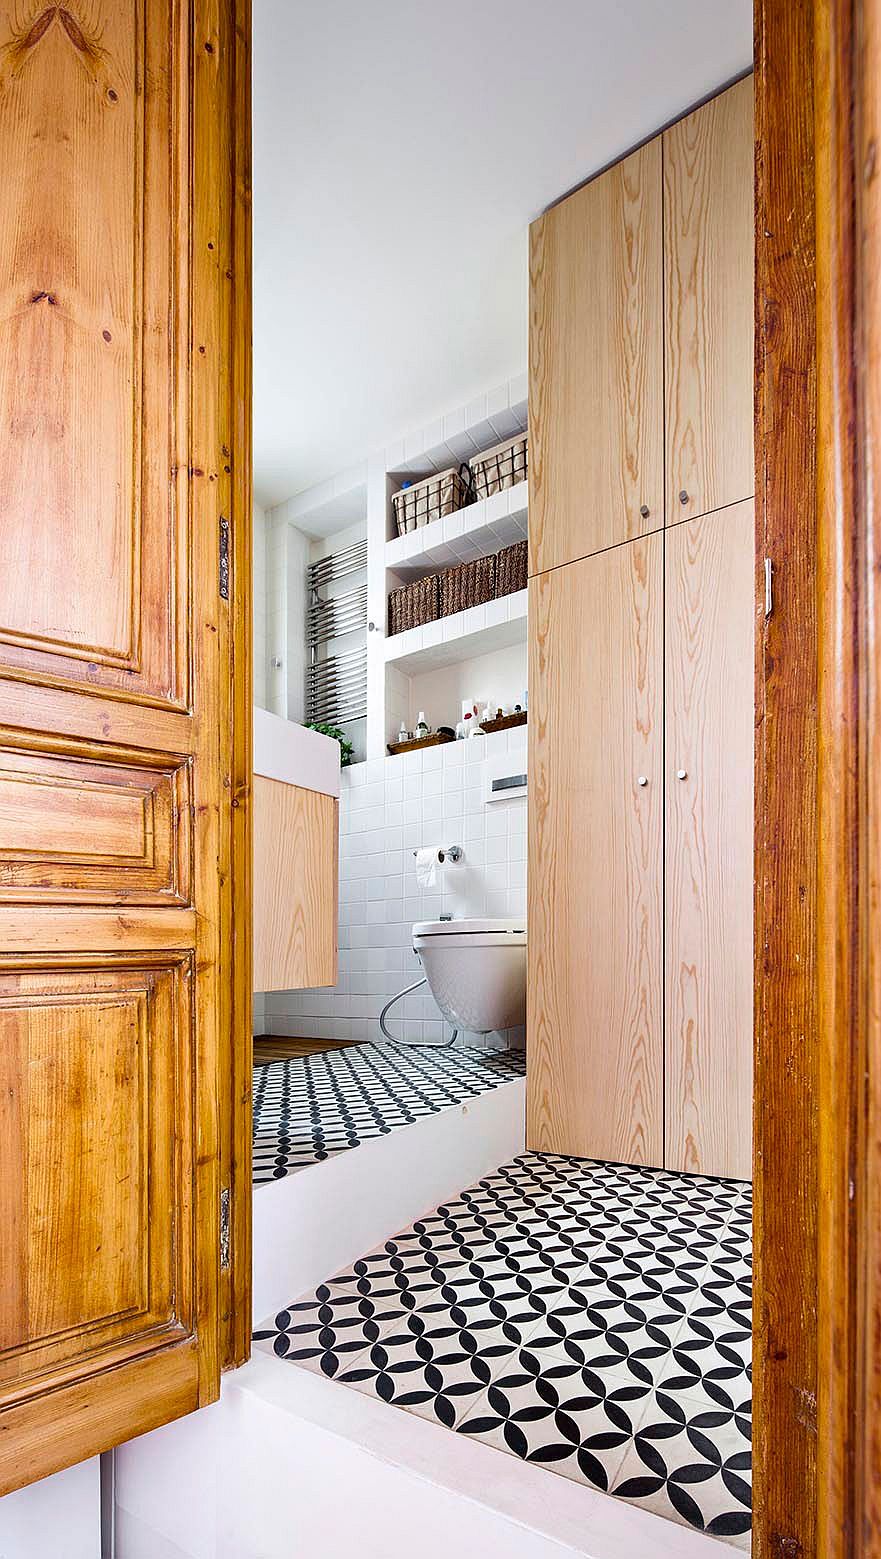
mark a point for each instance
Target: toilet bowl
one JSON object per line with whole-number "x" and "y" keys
{"x": 476, "y": 970}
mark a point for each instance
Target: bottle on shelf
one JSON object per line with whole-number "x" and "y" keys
{"x": 421, "y": 726}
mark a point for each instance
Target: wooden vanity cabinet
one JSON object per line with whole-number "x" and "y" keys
{"x": 296, "y": 877}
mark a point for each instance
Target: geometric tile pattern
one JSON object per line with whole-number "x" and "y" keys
{"x": 593, "y": 1318}
{"x": 310, "y": 1107}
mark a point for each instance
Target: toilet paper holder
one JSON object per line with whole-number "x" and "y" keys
{"x": 452, "y": 852}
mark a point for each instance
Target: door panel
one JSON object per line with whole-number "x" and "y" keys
{"x": 91, "y": 397}
{"x": 93, "y": 831}
{"x": 710, "y": 598}
{"x": 708, "y": 266}
{"x": 123, "y": 328}
{"x": 594, "y": 1082}
{"x": 96, "y": 1096}
{"x": 596, "y": 365}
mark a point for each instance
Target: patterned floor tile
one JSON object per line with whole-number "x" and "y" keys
{"x": 591, "y": 1318}
{"x": 309, "y": 1108}
{"x": 560, "y": 1414}
{"x": 691, "y": 1464}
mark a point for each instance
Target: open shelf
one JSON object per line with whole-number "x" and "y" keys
{"x": 480, "y": 629}
{"x": 475, "y": 532}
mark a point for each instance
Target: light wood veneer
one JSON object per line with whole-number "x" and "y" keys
{"x": 296, "y": 843}
{"x": 595, "y": 1001}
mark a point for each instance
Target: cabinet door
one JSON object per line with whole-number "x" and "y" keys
{"x": 594, "y": 1081}
{"x": 708, "y": 263}
{"x": 295, "y": 887}
{"x": 709, "y": 838}
{"x": 595, "y": 365}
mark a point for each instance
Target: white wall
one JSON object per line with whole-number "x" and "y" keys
{"x": 388, "y": 808}
{"x": 57, "y": 1518}
{"x": 259, "y": 647}
{"x": 284, "y": 606}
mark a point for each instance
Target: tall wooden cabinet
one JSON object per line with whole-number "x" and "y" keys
{"x": 595, "y": 992}
{"x": 596, "y": 365}
{"x": 641, "y": 664}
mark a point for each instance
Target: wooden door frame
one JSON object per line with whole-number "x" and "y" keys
{"x": 817, "y": 1321}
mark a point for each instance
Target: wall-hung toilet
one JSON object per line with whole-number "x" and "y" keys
{"x": 476, "y": 970}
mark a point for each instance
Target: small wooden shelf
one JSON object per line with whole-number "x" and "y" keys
{"x": 436, "y": 739}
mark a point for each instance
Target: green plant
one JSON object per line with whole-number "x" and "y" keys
{"x": 346, "y": 749}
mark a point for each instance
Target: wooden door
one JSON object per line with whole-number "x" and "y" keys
{"x": 596, "y": 365}
{"x": 708, "y": 289}
{"x": 595, "y": 1007}
{"x": 123, "y": 469}
{"x": 710, "y": 613}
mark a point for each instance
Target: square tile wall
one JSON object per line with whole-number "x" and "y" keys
{"x": 390, "y": 807}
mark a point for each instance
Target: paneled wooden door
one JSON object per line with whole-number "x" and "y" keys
{"x": 123, "y": 475}
{"x": 595, "y": 1002}
{"x": 710, "y": 614}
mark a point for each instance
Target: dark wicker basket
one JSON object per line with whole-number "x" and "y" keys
{"x": 413, "y": 604}
{"x": 512, "y": 568}
{"x": 468, "y": 584}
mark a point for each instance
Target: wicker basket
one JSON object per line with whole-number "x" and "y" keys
{"x": 512, "y": 568}
{"x": 413, "y": 604}
{"x": 468, "y": 584}
{"x": 425, "y": 501}
{"x": 500, "y": 467}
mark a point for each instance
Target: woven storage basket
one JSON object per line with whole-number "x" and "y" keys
{"x": 512, "y": 568}
{"x": 413, "y": 604}
{"x": 429, "y": 500}
{"x": 502, "y": 466}
{"x": 468, "y": 584}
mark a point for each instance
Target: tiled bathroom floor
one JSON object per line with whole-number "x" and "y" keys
{"x": 310, "y": 1107}
{"x": 594, "y": 1318}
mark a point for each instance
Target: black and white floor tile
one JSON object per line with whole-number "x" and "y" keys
{"x": 308, "y": 1108}
{"x": 593, "y": 1318}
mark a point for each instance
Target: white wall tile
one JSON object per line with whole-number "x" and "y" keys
{"x": 388, "y": 808}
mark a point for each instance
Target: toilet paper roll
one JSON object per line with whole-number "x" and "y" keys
{"x": 427, "y": 862}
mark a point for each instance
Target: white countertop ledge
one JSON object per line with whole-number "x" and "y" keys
{"x": 289, "y": 752}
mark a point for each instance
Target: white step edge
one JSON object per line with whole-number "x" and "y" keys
{"x": 289, "y": 1464}
{"x": 309, "y": 1225}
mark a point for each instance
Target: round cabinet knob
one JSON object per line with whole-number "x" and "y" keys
{"x": 644, "y": 510}
{"x": 641, "y": 779}
{"x": 683, "y": 496}
{"x": 682, "y": 774}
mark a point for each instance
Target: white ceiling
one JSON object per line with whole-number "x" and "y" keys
{"x": 400, "y": 151}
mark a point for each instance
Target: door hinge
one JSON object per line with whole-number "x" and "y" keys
{"x": 769, "y": 588}
{"x": 224, "y": 1228}
{"x": 223, "y": 558}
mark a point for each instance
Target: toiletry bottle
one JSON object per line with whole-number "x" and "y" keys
{"x": 421, "y": 726}
{"x": 403, "y": 734}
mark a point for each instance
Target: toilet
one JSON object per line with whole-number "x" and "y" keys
{"x": 476, "y": 970}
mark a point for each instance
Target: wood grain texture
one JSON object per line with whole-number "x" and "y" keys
{"x": 596, "y": 365}
{"x": 237, "y": 845}
{"x": 708, "y": 298}
{"x": 785, "y": 1121}
{"x": 594, "y": 1081}
{"x": 81, "y": 828}
{"x": 867, "y": 137}
{"x": 120, "y": 319}
{"x": 88, "y": 389}
{"x": 709, "y": 691}
{"x": 296, "y": 872}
